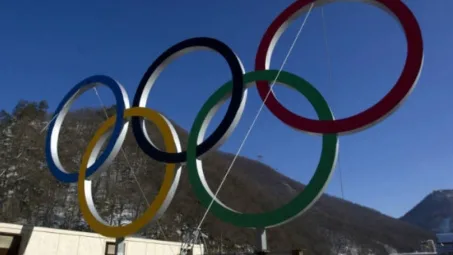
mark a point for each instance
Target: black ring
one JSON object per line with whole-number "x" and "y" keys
{"x": 153, "y": 72}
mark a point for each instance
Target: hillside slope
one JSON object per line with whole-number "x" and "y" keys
{"x": 30, "y": 194}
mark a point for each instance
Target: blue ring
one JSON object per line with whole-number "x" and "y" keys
{"x": 115, "y": 87}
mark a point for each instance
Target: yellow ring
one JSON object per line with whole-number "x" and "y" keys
{"x": 153, "y": 210}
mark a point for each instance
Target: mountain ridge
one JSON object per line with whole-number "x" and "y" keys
{"x": 434, "y": 212}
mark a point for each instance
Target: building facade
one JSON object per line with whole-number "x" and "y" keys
{"x": 28, "y": 240}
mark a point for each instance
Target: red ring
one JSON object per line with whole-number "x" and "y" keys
{"x": 368, "y": 117}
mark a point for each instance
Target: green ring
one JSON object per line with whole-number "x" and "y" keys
{"x": 303, "y": 200}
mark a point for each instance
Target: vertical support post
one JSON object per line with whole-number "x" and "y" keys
{"x": 261, "y": 241}
{"x": 119, "y": 246}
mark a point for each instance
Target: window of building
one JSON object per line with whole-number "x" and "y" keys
{"x": 9, "y": 244}
{"x": 109, "y": 248}
{"x": 187, "y": 252}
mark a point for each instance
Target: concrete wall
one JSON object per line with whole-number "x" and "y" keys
{"x": 47, "y": 241}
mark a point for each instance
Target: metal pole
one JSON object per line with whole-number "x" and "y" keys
{"x": 119, "y": 246}
{"x": 261, "y": 241}
{"x": 221, "y": 242}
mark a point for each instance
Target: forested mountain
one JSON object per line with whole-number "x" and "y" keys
{"x": 29, "y": 194}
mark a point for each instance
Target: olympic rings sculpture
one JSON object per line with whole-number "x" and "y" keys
{"x": 116, "y": 127}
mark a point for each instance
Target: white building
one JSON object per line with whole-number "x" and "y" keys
{"x": 445, "y": 244}
{"x": 25, "y": 240}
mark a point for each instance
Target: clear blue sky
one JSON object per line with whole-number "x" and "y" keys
{"x": 48, "y": 46}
